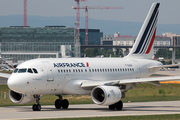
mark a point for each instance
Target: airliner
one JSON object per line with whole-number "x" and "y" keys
{"x": 105, "y": 79}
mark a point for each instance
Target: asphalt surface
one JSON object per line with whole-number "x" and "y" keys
{"x": 91, "y": 110}
{"x": 3, "y": 81}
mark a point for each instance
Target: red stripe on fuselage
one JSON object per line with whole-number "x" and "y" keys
{"x": 151, "y": 43}
{"x": 87, "y": 64}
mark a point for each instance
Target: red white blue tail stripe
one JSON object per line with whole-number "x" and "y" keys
{"x": 145, "y": 39}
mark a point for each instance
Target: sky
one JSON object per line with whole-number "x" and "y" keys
{"x": 133, "y": 10}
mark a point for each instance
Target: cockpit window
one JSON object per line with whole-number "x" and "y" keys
{"x": 35, "y": 71}
{"x": 22, "y": 70}
{"x": 15, "y": 71}
{"x": 29, "y": 70}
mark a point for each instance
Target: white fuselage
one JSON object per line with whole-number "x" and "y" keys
{"x": 65, "y": 75}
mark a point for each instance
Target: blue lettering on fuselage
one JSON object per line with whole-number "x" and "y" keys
{"x": 69, "y": 65}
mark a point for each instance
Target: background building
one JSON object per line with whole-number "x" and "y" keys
{"x": 94, "y": 36}
{"x": 127, "y": 40}
{"x": 24, "y": 43}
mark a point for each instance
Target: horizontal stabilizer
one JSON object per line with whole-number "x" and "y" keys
{"x": 164, "y": 66}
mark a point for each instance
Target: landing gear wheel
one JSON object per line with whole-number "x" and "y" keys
{"x": 58, "y": 104}
{"x": 112, "y": 107}
{"x": 36, "y": 107}
{"x": 119, "y": 105}
{"x": 65, "y": 104}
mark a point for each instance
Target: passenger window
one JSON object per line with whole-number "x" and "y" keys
{"x": 85, "y": 70}
{"x": 15, "y": 71}
{"x": 76, "y": 70}
{"x": 73, "y": 70}
{"x": 92, "y": 70}
{"x": 64, "y": 70}
{"x": 61, "y": 71}
{"x": 81, "y": 70}
{"x": 30, "y": 71}
{"x": 35, "y": 71}
{"x": 69, "y": 70}
{"x": 89, "y": 70}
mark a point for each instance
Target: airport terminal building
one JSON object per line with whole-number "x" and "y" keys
{"x": 24, "y": 43}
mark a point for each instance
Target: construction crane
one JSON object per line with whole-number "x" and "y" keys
{"x": 77, "y": 44}
{"x": 78, "y": 14}
{"x": 86, "y": 16}
{"x": 25, "y": 13}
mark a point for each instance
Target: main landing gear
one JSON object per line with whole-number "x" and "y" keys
{"x": 60, "y": 103}
{"x": 117, "y": 106}
{"x": 37, "y": 106}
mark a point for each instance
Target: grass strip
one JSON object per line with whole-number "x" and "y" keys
{"x": 145, "y": 117}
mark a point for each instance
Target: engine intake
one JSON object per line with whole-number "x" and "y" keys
{"x": 20, "y": 98}
{"x": 106, "y": 95}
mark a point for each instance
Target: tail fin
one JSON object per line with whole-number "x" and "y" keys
{"x": 142, "y": 48}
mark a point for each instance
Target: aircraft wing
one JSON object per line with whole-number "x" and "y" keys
{"x": 5, "y": 75}
{"x": 164, "y": 66}
{"x": 153, "y": 80}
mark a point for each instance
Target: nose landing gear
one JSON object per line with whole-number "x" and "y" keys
{"x": 37, "y": 106}
{"x": 61, "y": 103}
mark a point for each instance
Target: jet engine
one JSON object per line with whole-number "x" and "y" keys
{"x": 106, "y": 95}
{"x": 20, "y": 98}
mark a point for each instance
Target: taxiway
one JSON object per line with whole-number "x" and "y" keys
{"x": 91, "y": 110}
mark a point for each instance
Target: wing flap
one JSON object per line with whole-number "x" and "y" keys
{"x": 145, "y": 80}
{"x": 154, "y": 80}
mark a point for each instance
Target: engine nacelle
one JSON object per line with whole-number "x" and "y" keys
{"x": 106, "y": 95}
{"x": 20, "y": 98}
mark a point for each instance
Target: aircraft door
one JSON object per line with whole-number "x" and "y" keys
{"x": 50, "y": 76}
{"x": 137, "y": 69}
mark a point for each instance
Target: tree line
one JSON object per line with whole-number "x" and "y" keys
{"x": 167, "y": 54}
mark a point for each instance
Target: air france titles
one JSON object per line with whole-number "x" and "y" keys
{"x": 69, "y": 65}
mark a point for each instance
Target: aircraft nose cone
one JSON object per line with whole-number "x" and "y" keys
{"x": 13, "y": 84}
